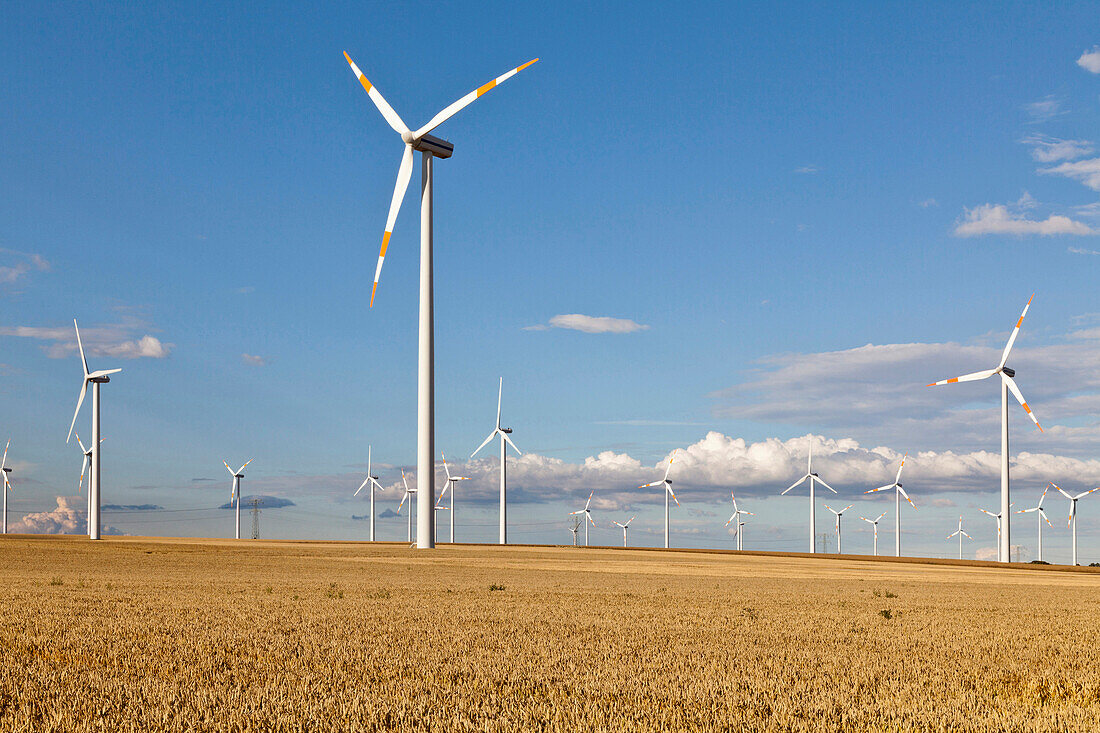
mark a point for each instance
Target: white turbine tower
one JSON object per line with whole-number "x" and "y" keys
{"x": 625, "y": 528}
{"x": 960, "y": 534}
{"x": 874, "y": 523}
{"x": 736, "y": 517}
{"x": 503, "y": 433}
{"x": 95, "y": 379}
{"x": 1041, "y": 516}
{"x": 667, "y": 483}
{"x": 1008, "y": 384}
{"x": 451, "y": 484}
{"x": 235, "y": 492}
{"x": 1073, "y": 513}
{"x": 430, "y": 148}
{"x": 5, "y": 470}
{"x": 408, "y": 493}
{"x": 814, "y": 478}
{"x": 998, "y": 516}
{"x": 587, "y": 515}
{"x": 839, "y": 549}
{"x": 898, "y": 493}
{"x": 370, "y": 481}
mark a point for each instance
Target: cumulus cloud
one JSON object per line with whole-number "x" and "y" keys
{"x": 266, "y": 502}
{"x": 69, "y": 517}
{"x": 22, "y": 263}
{"x": 997, "y": 219}
{"x": 591, "y": 324}
{"x": 253, "y": 360}
{"x": 1090, "y": 60}
{"x": 117, "y": 340}
{"x": 1085, "y": 172}
{"x": 1047, "y": 149}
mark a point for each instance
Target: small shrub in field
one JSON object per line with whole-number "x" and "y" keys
{"x": 55, "y": 580}
{"x": 886, "y": 614}
{"x": 494, "y": 586}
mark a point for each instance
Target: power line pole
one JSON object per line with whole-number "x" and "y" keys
{"x": 255, "y": 517}
{"x": 824, "y": 542}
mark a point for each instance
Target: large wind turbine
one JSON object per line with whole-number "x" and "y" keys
{"x": 95, "y": 379}
{"x": 960, "y": 534}
{"x": 587, "y": 515}
{"x": 84, "y": 467}
{"x": 736, "y": 517}
{"x": 574, "y": 526}
{"x": 1040, "y": 515}
{"x": 625, "y": 527}
{"x": 372, "y": 481}
{"x": 813, "y": 477}
{"x": 1073, "y": 513}
{"x": 503, "y": 433}
{"x": 874, "y": 523}
{"x": 898, "y": 493}
{"x": 452, "y": 482}
{"x": 235, "y": 492}
{"x": 408, "y": 493}
{"x": 1008, "y": 384}
{"x": 430, "y": 148}
{"x": 667, "y": 483}
{"x": 998, "y": 516}
{"x": 5, "y": 470}
{"x": 839, "y": 548}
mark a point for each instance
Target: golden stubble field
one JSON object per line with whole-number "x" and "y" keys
{"x": 137, "y": 634}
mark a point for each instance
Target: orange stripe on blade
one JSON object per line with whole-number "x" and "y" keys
{"x": 372, "y": 292}
{"x": 952, "y": 380}
{"x": 385, "y": 244}
{"x": 366, "y": 84}
{"x": 482, "y": 89}
{"x": 1019, "y": 321}
{"x": 526, "y": 65}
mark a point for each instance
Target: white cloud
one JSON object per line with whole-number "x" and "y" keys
{"x": 1085, "y": 172}
{"x": 25, "y": 262}
{"x": 590, "y": 324}
{"x": 1090, "y": 60}
{"x": 1045, "y": 109}
{"x": 997, "y": 219}
{"x": 1047, "y": 149}
{"x": 927, "y": 203}
{"x": 253, "y": 360}
{"x": 70, "y": 517}
{"x": 806, "y": 169}
{"x": 118, "y": 340}
{"x": 1083, "y": 251}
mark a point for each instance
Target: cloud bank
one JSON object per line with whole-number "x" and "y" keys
{"x": 590, "y": 324}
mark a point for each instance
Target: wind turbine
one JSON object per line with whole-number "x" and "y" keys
{"x": 1073, "y": 513}
{"x": 667, "y": 483}
{"x": 408, "y": 492}
{"x": 372, "y": 481}
{"x": 235, "y": 492}
{"x": 430, "y": 148}
{"x": 1041, "y": 516}
{"x": 574, "y": 527}
{"x": 587, "y": 515}
{"x": 1008, "y": 383}
{"x": 736, "y": 517}
{"x": 5, "y": 470}
{"x": 874, "y": 523}
{"x": 898, "y": 493}
{"x": 960, "y": 533}
{"x": 839, "y": 514}
{"x": 813, "y": 477}
{"x": 625, "y": 528}
{"x": 503, "y": 433}
{"x": 998, "y": 516}
{"x": 95, "y": 379}
{"x": 451, "y": 484}
{"x": 84, "y": 467}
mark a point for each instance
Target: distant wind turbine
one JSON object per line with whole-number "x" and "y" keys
{"x": 1073, "y": 513}
{"x": 736, "y": 518}
{"x": 503, "y": 433}
{"x": 84, "y": 467}
{"x": 370, "y": 481}
{"x": 667, "y": 483}
{"x": 1041, "y": 516}
{"x": 874, "y": 523}
{"x": 898, "y": 493}
{"x": 574, "y": 527}
{"x": 1008, "y": 383}
{"x": 452, "y": 482}
{"x": 839, "y": 514}
{"x": 586, "y": 515}
{"x": 5, "y": 470}
{"x": 408, "y": 495}
{"x": 998, "y": 516}
{"x": 814, "y": 478}
{"x": 960, "y": 534}
{"x": 625, "y": 528}
{"x": 95, "y": 379}
{"x": 235, "y": 492}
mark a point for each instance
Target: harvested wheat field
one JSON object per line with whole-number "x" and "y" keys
{"x": 136, "y": 634}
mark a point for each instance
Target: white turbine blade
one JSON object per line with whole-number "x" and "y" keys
{"x": 1045, "y": 490}
{"x": 967, "y": 536}
{"x": 845, "y": 509}
{"x": 383, "y": 106}
{"x": 241, "y": 469}
{"x": 796, "y": 483}
{"x": 509, "y": 442}
{"x": 734, "y": 499}
{"x": 1027, "y": 511}
{"x": 579, "y": 511}
{"x": 1020, "y": 398}
{"x": 1044, "y": 516}
{"x": 103, "y": 373}
{"x": 443, "y": 493}
{"x": 907, "y": 497}
{"x": 954, "y": 534}
{"x": 485, "y": 443}
{"x": 500, "y": 393}
{"x": 404, "y": 481}
{"x": 966, "y": 377}
{"x": 629, "y": 521}
{"x": 1060, "y": 491}
{"x": 990, "y": 513}
{"x": 669, "y": 466}
{"x": 404, "y": 173}
{"x": 865, "y": 519}
{"x": 83, "y": 469}
{"x": 403, "y": 497}
{"x": 668, "y": 488}
{"x": 80, "y": 344}
{"x": 377, "y": 485}
{"x": 1086, "y": 493}
{"x": 1015, "y": 333}
{"x": 445, "y": 469}
{"x": 79, "y": 402}
{"x": 77, "y": 442}
{"x": 362, "y": 486}
{"x": 651, "y": 484}
{"x": 880, "y": 517}
{"x": 830, "y": 509}
{"x": 830, "y": 488}
{"x": 4, "y": 460}
{"x": 589, "y": 500}
{"x": 227, "y": 468}
{"x": 881, "y": 488}
{"x": 447, "y": 112}
{"x": 589, "y": 515}
{"x": 897, "y": 479}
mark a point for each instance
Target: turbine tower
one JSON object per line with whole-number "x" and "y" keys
{"x": 95, "y": 379}
{"x": 1040, "y": 515}
{"x": 839, "y": 514}
{"x": 451, "y": 484}
{"x": 1073, "y": 513}
{"x": 1008, "y": 384}
{"x": 874, "y": 523}
{"x": 813, "y": 477}
{"x": 736, "y": 517}
{"x": 235, "y": 492}
{"x": 667, "y": 483}
{"x": 372, "y": 481}
{"x": 960, "y": 533}
{"x": 898, "y": 493}
{"x": 5, "y": 470}
{"x": 503, "y": 433}
{"x": 587, "y": 515}
{"x": 408, "y": 493}
{"x": 625, "y": 528}
{"x": 429, "y": 148}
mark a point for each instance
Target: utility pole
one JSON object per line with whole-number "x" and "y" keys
{"x": 255, "y": 517}
{"x": 824, "y": 542}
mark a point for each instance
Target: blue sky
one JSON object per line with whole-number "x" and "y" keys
{"x": 755, "y": 186}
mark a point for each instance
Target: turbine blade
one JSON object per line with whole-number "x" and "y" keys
{"x": 383, "y": 106}
{"x": 1011, "y": 383}
{"x": 880, "y": 517}
{"x": 830, "y": 488}
{"x": 669, "y": 466}
{"x": 651, "y": 484}
{"x": 1015, "y": 333}
{"x": 897, "y": 478}
{"x": 404, "y": 173}
{"x": 242, "y": 468}
{"x": 907, "y": 497}
{"x": 672, "y": 493}
{"x": 445, "y": 469}
{"x": 77, "y": 442}
{"x": 83, "y": 469}
{"x": 967, "y": 536}
{"x": 80, "y": 344}
{"x": 4, "y": 460}
{"x": 1045, "y": 490}
{"x": 447, "y": 112}
{"x": 79, "y": 402}
{"x": 966, "y": 377}
{"x": 881, "y": 488}
{"x": 362, "y": 486}
{"x": 509, "y": 442}
{"x": 485, "y": 443}
{"x": 1086, "y": 493}
{"x": 589, "y": 500}
{"x": 227, "y": 468}
{"x": 103, "y": 373}
{"x": 500, "y": 393}
{"x": 796, "y": 483}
